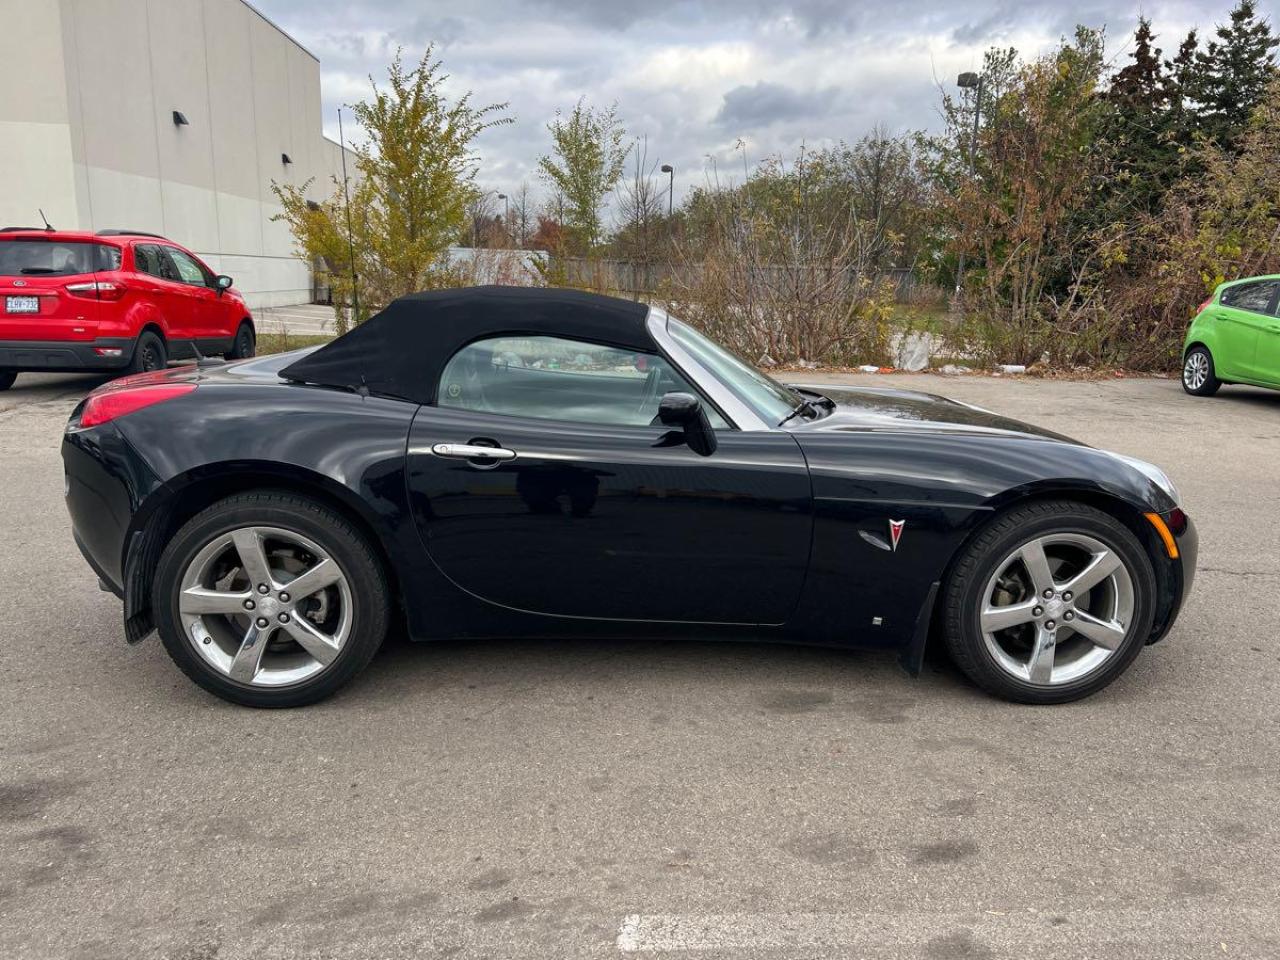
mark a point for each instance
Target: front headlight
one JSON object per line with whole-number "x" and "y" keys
{"x": 1152, "y": 473}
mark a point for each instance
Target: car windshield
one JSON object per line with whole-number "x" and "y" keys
{"x": 29, "y": 257}
{"x": 770, "y": 400}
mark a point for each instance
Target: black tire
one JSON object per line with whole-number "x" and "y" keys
{"x": 963, "y": 597}
{"x": 1199, "y": 357}
{"x": 245, "y": 344}
{"x": 313, "y": 520}
{"x": 149, "y": 353}
{"x": 6, "y": 378}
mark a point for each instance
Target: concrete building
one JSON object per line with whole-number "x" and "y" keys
{"x": 90, "y": 131}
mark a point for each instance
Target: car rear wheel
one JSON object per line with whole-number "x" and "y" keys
{"x": 149, "y": 353}
{"x": 1049, "y": 603}
{"x": 244, "y": 345}
{"x": 6, "y": 378}
{"x": 270, "y": 599}
{"x": 1198, "y": 375}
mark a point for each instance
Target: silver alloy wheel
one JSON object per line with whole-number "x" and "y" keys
{"x": 1057, "y": 608}
{"x": 1196, "y": 370}
{"x": 265, "y": 606}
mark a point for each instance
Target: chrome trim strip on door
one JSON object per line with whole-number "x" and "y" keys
{"x": 734, "y": 410}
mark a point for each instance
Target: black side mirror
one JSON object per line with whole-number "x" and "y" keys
{"x": 221, "y": 283}
{"x": 683, "y": 411}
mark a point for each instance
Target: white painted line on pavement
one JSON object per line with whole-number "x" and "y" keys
{"x": 805, "y": 933}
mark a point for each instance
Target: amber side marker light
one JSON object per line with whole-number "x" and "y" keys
{"x": 1162, "y": 528}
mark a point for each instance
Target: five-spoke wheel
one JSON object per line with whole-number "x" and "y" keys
{"x": 1050, "y": 602}
{"x": 1057, "y": 608}
{"x": 265, "y": 606}
{"x": 270, "y": 599}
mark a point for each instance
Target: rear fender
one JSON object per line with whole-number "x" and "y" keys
{"x": 173, "y": 503}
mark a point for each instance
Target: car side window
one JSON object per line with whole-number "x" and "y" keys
{"x": 558, "y": 379}
{"x": 150, "y": 258}
{"x": 1254, "y": 297}
{"x": 188, "y": 270}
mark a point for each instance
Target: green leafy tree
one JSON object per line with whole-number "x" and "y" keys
{"x": 1019, "y": 217}
{"x": 1233, "y": 72}
{"x": 414, "y": 178}
{"x": 586, "y": 163}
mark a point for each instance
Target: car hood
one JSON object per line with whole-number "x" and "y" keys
{"x": 864, "y": 408}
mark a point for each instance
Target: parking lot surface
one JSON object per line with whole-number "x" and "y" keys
{"x": 654, "y": 799}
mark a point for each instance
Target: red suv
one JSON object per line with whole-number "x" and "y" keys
{"x": 113, "y": 300}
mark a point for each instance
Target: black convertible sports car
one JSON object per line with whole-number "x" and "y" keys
{"x": 507, "y": 462}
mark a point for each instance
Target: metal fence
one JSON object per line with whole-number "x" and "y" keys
{"x": 646, "y": 279}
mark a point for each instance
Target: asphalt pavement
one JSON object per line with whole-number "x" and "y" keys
{"x": 673, "y": 799}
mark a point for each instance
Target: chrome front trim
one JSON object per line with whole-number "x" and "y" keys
{"x": 735, "y": 411}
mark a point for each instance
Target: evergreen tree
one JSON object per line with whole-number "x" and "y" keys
{"x": 1136, "y": 135}
{"x": 1179, "y": 80}
{"x": 1232, "y": 74}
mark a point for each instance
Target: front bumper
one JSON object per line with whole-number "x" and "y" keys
{"x": 1177, "y": 576}
{"x": 64, "y": 356}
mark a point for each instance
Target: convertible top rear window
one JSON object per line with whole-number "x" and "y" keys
{"x": 402, "y": 351}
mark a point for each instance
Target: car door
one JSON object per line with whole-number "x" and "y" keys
{"x": 1243, "y": 315}
{"x": 600, "y": 513}
{"x": 156, "y": 279}
{"x": 206, "y": 310}
{"x": 1268, "y": 356}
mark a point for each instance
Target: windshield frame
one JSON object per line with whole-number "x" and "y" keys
{"x": 758, "y": 402}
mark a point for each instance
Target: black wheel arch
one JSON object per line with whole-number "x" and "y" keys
{"x": 1130, "y": 514}
{"x": 175, "y": 502}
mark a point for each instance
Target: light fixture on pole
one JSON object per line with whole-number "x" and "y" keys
{"x": 970, "y": 81}
{"x": 671, "y": 185}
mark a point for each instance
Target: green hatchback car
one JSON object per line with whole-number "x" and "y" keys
{"x": 1235, "y": 338}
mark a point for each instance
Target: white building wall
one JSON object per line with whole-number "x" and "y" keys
{"x": 86, "y": 128}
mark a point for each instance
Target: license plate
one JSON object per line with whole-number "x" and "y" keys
{"x": 22, "y": 304}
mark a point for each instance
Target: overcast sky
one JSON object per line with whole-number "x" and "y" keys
{"x": 698, "y": 77}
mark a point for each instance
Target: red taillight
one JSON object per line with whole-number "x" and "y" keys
{"x": 1204, "y": 306}
{"x": 97, "y": 289}
{"x": 107, "y": 405}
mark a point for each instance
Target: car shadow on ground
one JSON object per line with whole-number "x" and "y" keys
{"x": 49, "y": 385}
{"x": 1257, "y": 397}
{"x": 676, "y": 666}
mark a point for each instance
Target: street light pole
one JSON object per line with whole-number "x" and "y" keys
{"x": 506, "y": 216}
{"x": 970, "y": 81}
{"x": 671, "y": 186}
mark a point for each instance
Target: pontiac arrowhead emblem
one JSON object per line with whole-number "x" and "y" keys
{"x": 895, "y": 532}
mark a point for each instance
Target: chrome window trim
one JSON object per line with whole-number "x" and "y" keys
{"x": 739, "y": 414}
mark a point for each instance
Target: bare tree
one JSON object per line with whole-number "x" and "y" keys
{"x": 639, "y": 208}
{"x": 523, "y": 216}
{"x": 482, "y": 212}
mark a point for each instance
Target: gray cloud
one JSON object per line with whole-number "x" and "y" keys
{"x": 695, "y": 77}
{"x": 764, "y": 104}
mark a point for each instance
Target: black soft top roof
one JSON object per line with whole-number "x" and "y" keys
{"x": 402, "y": 351}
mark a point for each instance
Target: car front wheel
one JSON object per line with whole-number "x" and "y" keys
{"x": 1198, "y": 375}
{"x": 1049, "y": 603}
{"x": 269, "y": 599}
{"x": 6, "y": 378}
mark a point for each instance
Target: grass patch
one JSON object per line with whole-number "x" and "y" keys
{"x": 919, "y": 317}
{"x": 284, "y": 342}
